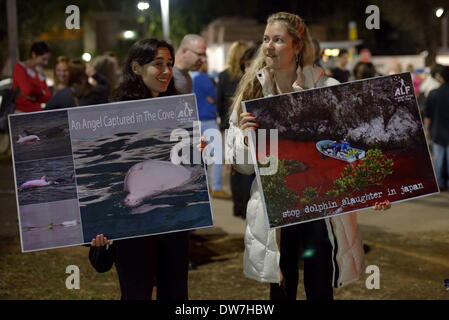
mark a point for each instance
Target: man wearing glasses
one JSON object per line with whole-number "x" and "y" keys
{"x": 190, "y": 55}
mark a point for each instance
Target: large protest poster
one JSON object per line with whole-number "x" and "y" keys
{"x": 111, "y": 169}
{"x": 340, "y": 149}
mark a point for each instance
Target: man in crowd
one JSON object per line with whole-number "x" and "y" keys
{"x": 190, "y": 56}
{"x": 437, "y": 122}
{"x": 340, "y": 72}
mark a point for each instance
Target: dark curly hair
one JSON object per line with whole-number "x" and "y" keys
{"x": 132, "y": 86}
{"x": 39, "y": 48}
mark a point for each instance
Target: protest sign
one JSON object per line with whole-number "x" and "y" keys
{"x": 340, "y": 149}
{"x": 108, "y": 169}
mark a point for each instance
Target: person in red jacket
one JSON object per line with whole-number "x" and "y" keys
{"x": 33, "y": 90}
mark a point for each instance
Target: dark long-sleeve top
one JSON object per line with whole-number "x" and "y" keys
{"x": 225, "y": 91}
{"x": 437, "y": 110}
{"x": 98, "y": 94}
{"x": 102, "y": 258}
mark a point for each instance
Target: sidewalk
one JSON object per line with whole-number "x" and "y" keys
{"x": 425, "y": 214}
{"x": 408, "y": 243}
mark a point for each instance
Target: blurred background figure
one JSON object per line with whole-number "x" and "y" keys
{"x": 29, "y": 78}
{"x": 397, "y": 68}
{"x": 248, "y": 58}
{"x": 118, "y": 77}
{"x": 228, "y": 81}
{"x": 206, "y": 96}
{"x": 318, "y": 53}
{"x": 437, "y": 126}
{"x": 433, "y": 80}
{"x": 364, "y": 70}
{"x": 60, "y": 73}
{"x": 416, "y": 78}
{"x": 341, "y": 73}
{"x": 79, "y": 92}
{"x": 190, "y": 55}
{"x": 240, "y": 183}
{"x": 107, "y": 66}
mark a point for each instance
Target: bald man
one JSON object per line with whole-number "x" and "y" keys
{"x": 190, "y": 55}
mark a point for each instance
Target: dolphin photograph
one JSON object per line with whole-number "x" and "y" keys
{"x": 40, "y": 136}
{"x": 134, "y": 189}
{"x": 45, "y": 180}
{"x": 50, "y": 225}
{"x": 127, "y": 184}
{"x": 358, "y": 143}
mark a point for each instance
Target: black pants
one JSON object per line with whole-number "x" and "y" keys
{"x": 240, "y": 187}
{"x": 160, "y": 260}
{"x": 309, "y": 241}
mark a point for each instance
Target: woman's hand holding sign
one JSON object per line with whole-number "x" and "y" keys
{"x": 99, "y": 241}
{"x": 247, "y": 122}
{"x": 202, "y": 145}
{"x": 384, "y": 205}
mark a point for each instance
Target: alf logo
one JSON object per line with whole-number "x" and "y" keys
{"x": 184, "y": 113}
{"x": 404, "y": 92}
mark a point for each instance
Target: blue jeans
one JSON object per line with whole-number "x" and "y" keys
{"x": 216, "y": 168}
{"x": 438, "y": 158}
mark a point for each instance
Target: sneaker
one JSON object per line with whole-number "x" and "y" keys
{"x": 221, "y": 194}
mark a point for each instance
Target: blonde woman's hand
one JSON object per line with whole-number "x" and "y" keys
{"x": 247, "y": 122}
{"x": 99, "y": 241}
{"x": 202, "y": 145}
{"x": 384, "y": 205}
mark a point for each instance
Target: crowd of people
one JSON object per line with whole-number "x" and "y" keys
{"x": 153, "y": 68}
{"x": 75, "y": 82}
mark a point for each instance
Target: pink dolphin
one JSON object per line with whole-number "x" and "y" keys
{"x": 26, "y": 139}
{"x": 35, "y": 183}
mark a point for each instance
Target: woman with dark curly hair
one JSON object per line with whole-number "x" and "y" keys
{"x": 160, "y": 260}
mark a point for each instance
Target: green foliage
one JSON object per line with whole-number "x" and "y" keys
{"x": 278, "y": 197}
{"x": 372, "y": 170}
{"x": 309, "y": 195}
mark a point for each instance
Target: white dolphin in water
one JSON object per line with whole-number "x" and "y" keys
{"x": 27, "y": 139}
{"x": 150, "y": 178}
{"x": 42, "y": 182}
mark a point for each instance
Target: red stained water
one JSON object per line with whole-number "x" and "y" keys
{"x": 410, "y": 167}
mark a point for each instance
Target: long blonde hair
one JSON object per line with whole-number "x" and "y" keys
{"x": 249, "y": 87}
{"x": 235, "y": 55}
{"x": 60, "y": 59}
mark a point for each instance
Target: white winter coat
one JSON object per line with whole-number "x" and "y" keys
{"x": 261, "y": 258}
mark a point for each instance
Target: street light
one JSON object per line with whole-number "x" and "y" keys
{"x": 143, "y": 6}
{"x": 86, "y": 56}
{"x": 129, "y": 34}
{"x": 444, "y": 26}
{"x": 165, "y": 19}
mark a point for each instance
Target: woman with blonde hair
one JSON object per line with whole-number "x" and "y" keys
{"x": 226, "y": 86}
{"x": 335, "y": 254}
{"x": 229, "y": 79}
{"x": 60, "y": 73}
